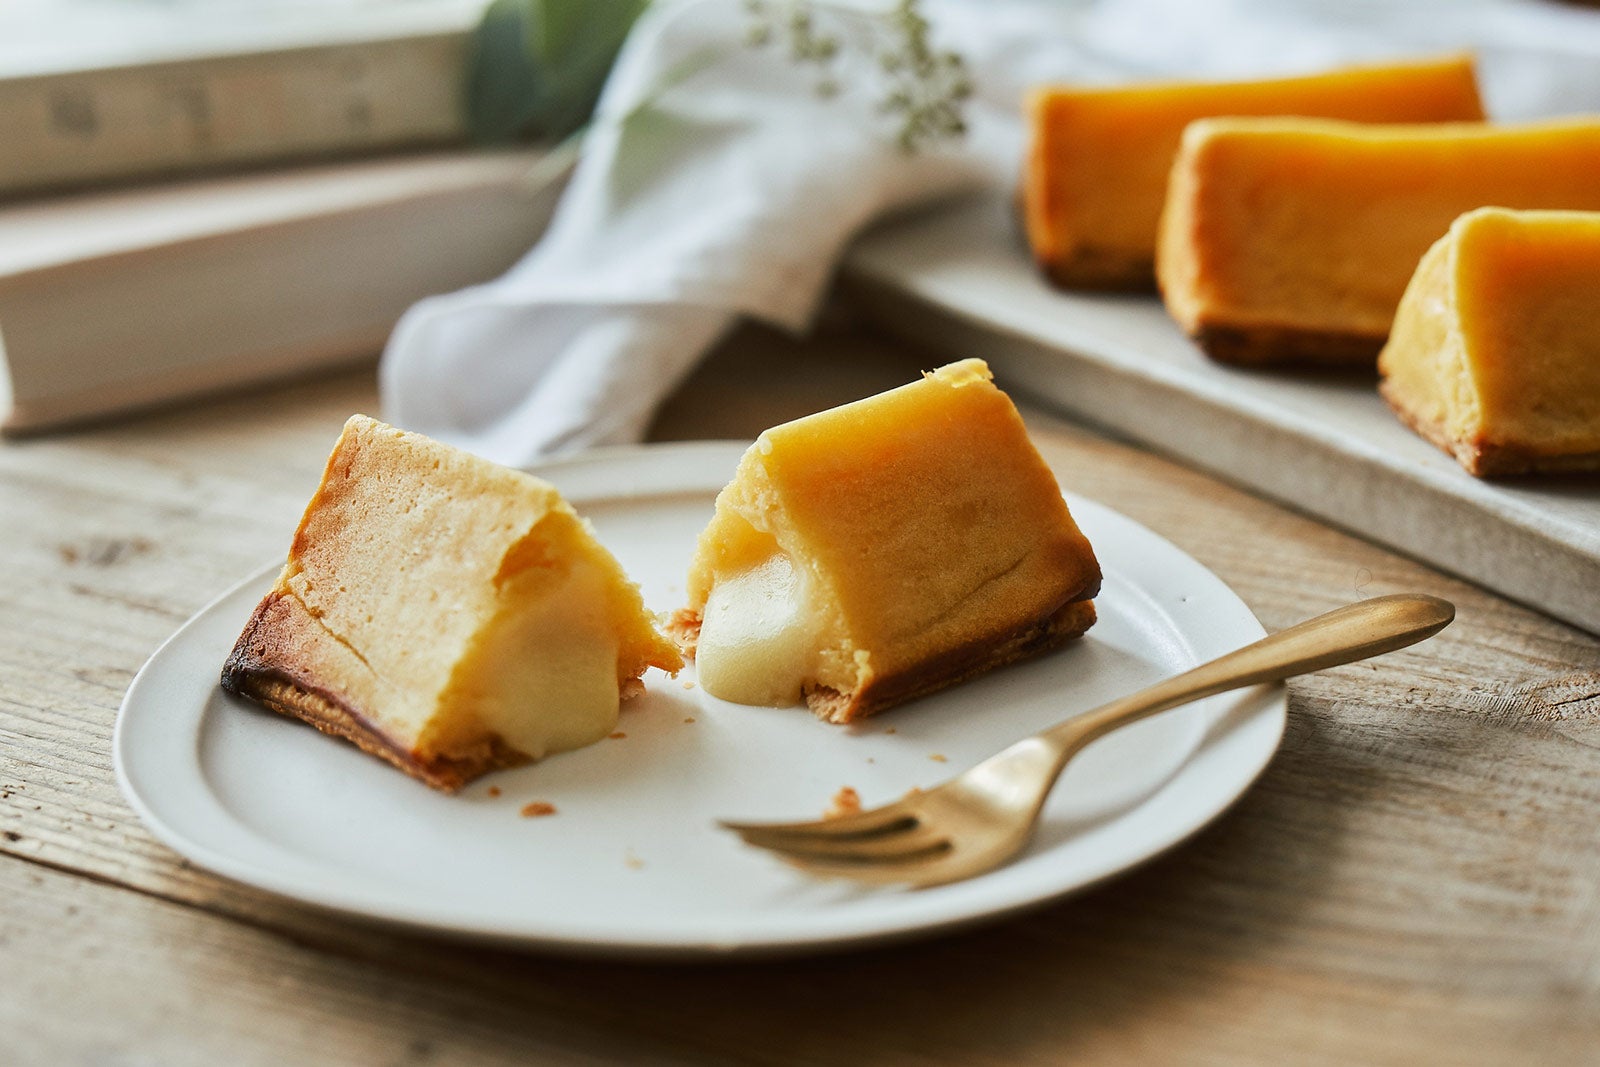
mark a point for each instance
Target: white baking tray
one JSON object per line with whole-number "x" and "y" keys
{"x": 959, "y": 281}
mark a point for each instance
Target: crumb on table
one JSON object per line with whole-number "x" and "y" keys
{"x": 535, "y": 808}
{"x": 845, "y": 802}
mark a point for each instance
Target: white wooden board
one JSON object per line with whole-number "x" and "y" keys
{"x": 959, "y": 281}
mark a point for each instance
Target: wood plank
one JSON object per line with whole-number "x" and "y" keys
{"x": 153, "y": 982}
{"x": 86, "y": 281}
{"x": 1414, "y": 878}
{"x": 1122, "y": 977}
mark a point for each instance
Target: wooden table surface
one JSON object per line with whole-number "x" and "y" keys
{"x": 1415, "y": 879}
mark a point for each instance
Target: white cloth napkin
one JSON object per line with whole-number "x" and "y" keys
{"x": 735, "y": 190}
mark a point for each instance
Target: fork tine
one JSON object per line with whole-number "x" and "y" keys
{"x": 908, "y": 844}
{"x": 890, "y": 818}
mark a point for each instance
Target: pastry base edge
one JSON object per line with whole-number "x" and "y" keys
{"x": 1488, "y": 459}
{"x": 954, "y": 666}
{"x": 268, "y": 678}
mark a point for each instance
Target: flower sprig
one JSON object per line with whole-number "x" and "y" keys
{"x": 925, "y": 89}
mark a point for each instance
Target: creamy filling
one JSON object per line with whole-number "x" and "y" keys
{"x": 544, "y": 675}
{"x": 758, "y": 640}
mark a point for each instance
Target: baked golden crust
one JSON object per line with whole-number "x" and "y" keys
{"x": 1303, "y": 234}
{"x": 1256, "y": 346}
{"x": 868, "y": 554}
{"x": 965, "y": 661}
{"x": 268, "y": 665}
{"x": 976, "y": 657}
{"x": 1101, "y": 270}
{"x": 445, "y": 614}
{"x": 1495, "y": 355}
{"x": 1095, "y": 171}
{"x": 1484, "y": 458}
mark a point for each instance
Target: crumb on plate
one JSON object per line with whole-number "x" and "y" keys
{"x": 618, "y": 736}
{"x": 535, "y": 808}
{"x": 937, "y": 758}
{"x": 845, "y": 802}
{"x": 494, "y": 790}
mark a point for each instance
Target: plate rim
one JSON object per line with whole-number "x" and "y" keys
{"x": 1264, "y": 707}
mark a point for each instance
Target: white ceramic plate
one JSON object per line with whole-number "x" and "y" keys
{"x": 632, "y": 863}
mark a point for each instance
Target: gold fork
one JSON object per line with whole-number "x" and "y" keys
{"x": 982, "y": 818}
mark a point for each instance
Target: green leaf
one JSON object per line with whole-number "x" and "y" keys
{"x": 536, "y": 67}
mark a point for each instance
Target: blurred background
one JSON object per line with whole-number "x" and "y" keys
{"x": 197, "y": 195}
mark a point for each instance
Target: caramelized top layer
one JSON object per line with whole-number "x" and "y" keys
{"x": 1319, "y": 225}
{"x": 922, "y": 519}
{"x": 440, "y": 576}
{"x": 1498, "y": 338}
{"x": 1098, "y": 158}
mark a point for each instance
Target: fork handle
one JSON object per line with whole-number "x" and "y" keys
{"x": 1344, "y": 635}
